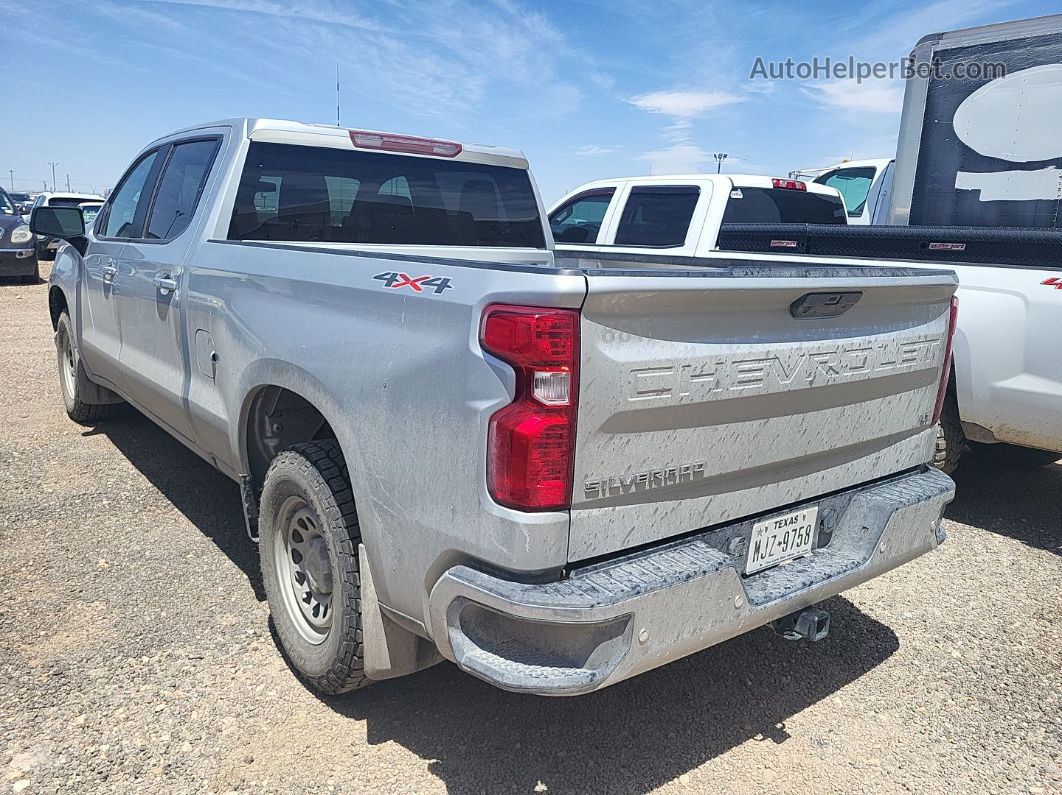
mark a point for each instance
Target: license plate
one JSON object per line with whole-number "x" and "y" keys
{"x": 781, "y": 538}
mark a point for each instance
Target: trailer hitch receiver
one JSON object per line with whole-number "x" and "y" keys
{"x": 812, "y": 624}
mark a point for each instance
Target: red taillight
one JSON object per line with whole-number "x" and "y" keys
{"x": 390, "y": 142}
{"x": 531, "y": 442}
{"x": 788, "y": 184}
{"x": 945, "y": 373}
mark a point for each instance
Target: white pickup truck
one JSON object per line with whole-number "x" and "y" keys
{"x": 681, "y": 215}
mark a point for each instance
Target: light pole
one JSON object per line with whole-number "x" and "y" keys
{"x": 719, "y": 158}
{"x": 53, "y": 165}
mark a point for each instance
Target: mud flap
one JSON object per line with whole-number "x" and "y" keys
{"x": 389, "y": 650}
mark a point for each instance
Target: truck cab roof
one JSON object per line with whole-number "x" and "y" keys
{"x": 326, "y": 135}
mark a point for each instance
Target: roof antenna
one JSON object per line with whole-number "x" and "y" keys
{"x": 337, "y": 94}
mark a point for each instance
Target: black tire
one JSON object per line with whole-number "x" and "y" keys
{"x": 314, "y": 474}
{"x": 45, "y": 253}
{"x": 951, "y": 441}
{"x": 73, "y": 381}
{"x": 1017, "y": 457}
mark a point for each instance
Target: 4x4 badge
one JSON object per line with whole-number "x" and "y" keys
{"x": 396, "y": 281}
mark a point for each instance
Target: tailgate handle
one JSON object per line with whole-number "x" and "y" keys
{"x": 824, "y": 304}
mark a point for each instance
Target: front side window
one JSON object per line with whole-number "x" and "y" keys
{"x": 179, "y": 189}
{"x": 307, "y": 193}
{"x": 579, "y": 219}
{"x": 853, "y": 184}
{"x": 657, "y": 215}
{"x": 121, "y": 211}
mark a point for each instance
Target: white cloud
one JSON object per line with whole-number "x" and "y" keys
{"x": 877, "y": 96}
{"x": 684, "y": 104}
{"x": 681, "y": 158}
{"x": 445, "y": 60}
{"x": 594, "y": 150}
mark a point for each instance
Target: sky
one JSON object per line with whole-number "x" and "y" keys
{"x": 587, "y": 89}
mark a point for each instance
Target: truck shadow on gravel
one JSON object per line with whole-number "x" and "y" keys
{"x": 1024, "y": 504}
{"x": 207, "y": 498}
{"x": 632, "y": 737}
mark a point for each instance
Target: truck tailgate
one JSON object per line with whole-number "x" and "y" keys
{"x": 705, "y": 396}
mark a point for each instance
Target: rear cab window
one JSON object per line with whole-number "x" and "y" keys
{"x": 780, "y": 206}
{"x": 657, "y": 216}
{"x": 289, "y": 192}
{"x": 66, "y": 201}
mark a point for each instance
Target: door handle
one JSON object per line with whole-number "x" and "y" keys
{"x": 109, "y": 272}
{"x": 165, "y": 283}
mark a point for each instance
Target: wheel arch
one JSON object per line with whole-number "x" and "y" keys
{"x": 284, "y": 395}
{"x": 57, "y": 304}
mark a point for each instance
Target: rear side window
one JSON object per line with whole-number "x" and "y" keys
{"x": 780, "y": 206}
{"x": 579, "y": 219}
{"x": 657, "y": 215}
{"x": 306, "y": 193}
{"x": 179, "y": 189}
{"x": 853, "y": 184}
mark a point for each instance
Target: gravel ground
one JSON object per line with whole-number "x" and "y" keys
{"x": 136, "y": 653}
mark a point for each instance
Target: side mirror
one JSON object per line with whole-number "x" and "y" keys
{"x": 65, "y": 223}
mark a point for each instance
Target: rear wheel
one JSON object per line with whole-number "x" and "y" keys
{"x": 308, "y": 544}
{"x": 73, "y": 379}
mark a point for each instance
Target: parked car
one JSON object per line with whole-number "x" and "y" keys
{"x": 17, "y": 243}
{"x": 681, "y": 214}
{"x": 452, "y": 443}
{"x": 46, "y": 245}
{"x": 23, "y": 202}
{"x": 89, "y": 211}
{"x": 20, "y": 199}
{"x": 865, "y": 185}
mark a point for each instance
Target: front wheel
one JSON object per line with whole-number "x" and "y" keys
{"x": 308, "y": 544}
{"x": 73, "y": 380}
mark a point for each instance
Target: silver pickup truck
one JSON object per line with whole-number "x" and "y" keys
{"x": 452, "y": 443}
